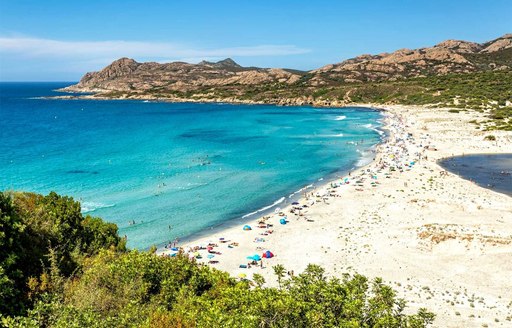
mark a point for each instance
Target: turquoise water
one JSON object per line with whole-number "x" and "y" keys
{"x": 188, "y": 166}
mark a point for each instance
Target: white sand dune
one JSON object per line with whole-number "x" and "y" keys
{"x": 442, "y": 242}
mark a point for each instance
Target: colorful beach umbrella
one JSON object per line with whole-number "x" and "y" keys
{"x": 254, "y": 257}
{"x": 268, "y": 255}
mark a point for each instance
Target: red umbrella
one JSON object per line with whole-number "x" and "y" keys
{"x": 268, "y": 254}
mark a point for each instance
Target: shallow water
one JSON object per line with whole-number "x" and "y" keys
{"x": 173, "y": 169}
{"x": 492, "y": 171}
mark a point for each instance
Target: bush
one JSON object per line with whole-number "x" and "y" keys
{"x": 35, "y": 234}
{"x": 139, "y": 289}
{"x": 94, "y": 282}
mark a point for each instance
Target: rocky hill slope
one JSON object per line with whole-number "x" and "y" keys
{"x": 452, "y": 56}
{"x": 453, "y": 73}
{"x": 127, "y": 75}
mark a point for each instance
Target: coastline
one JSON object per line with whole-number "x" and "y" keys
{"x": 321, "y": 184}
{"x": 99, "y": 94}
{"x": 283, "y": 199}
{"x": 434, "y": 236}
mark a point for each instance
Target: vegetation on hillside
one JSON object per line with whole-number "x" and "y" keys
{"x": 41, "y": 233}
{"x": 60, "y": 269}
{"x": 457, "y": 74}
{"x": 488, "y": 92}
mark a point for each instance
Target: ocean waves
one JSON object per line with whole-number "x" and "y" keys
{"x": 88, "y": 207}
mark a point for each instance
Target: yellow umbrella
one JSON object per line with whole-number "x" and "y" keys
{"x": 242, "y": 275}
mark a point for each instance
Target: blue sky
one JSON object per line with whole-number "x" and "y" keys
{"x": 60, "y": 40}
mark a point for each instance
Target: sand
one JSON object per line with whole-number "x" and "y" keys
{"x": 440, "y": 241}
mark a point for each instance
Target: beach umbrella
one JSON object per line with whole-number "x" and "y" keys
{"x": 268, "y": 255}
{"x": 282, "y": 221}
{"x": 254, "y": 257}
{"x": 242, "y": 275}
{"x": 211, "y": 256}
{"x": 247, "y": 228}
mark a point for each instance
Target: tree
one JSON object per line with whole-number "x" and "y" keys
{"x": 11, "y": 249}
{"x": 258, "y": 280}
{"x": 279, "y": 272}
{"x": 39, "y": 234}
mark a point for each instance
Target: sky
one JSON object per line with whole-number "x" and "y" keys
{"x": 61, "y": 40}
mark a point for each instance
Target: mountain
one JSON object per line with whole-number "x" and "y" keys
{"x": 227, "y": 63}
{"x": 478, "y": 73}
{"x": 127, "y": 75}
{"x": 448, "y": 57}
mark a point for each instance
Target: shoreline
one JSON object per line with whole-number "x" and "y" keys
{"x": 438, "y": 239}
{"x": 323, "y": 183}
{"x": 498, "y": 185}
{"x": 300, "y": 101}
{"x": 287, "y": 199}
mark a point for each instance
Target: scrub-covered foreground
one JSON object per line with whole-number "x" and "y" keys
{"x": 61, "y": 269}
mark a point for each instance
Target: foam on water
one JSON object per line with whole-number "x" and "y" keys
{"x": 265, "y": 208}
{"x": 88, "y": 207}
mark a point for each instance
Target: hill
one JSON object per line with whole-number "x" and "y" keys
{"x": 452, "y": 73}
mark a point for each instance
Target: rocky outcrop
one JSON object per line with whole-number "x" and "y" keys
{"x": 505, "y": 42}
{"x": 458, "y": 46}
{"x": 451, "y": 56}
{"x": 128, "y": 75}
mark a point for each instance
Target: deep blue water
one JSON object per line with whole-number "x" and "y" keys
{"x": 492, "y": 171}
{"x": 191, "y": 166}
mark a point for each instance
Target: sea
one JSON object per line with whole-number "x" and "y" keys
{"x": 162, "y": 170}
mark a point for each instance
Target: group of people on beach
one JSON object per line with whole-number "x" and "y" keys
{"x": 400, "y": 152}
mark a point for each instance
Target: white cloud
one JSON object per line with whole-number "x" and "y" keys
{"x": 100, "y": 50}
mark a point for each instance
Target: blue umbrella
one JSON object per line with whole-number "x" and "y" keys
{"x": 254, "y": 257}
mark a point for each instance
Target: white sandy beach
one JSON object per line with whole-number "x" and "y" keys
{"x": 442, "y": 242}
